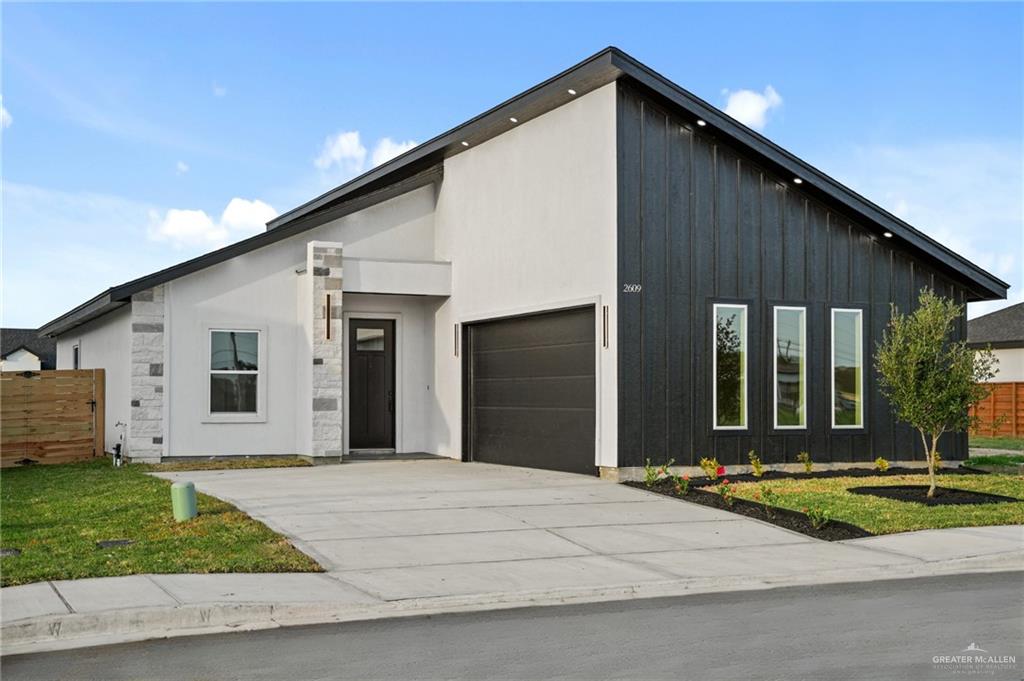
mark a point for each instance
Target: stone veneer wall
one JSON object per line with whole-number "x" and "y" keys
{"x": 146, "y": 424}
{"x": 323, "y": 263}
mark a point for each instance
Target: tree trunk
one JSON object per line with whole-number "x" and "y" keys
{"x": 931, "y": 470}
{"x": 929, "y": 453}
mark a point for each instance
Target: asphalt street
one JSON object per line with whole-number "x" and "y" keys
{"x": 884, "y": 630}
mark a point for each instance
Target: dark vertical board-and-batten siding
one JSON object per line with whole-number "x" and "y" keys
{"x": 699, "y": 224}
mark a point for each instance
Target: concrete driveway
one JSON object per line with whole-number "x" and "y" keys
{"x": 420, "y": 529}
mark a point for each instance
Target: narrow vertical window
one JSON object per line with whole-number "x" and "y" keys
{"x": 730, "y": 366}
{"x": 847, "y": 369}
{"x": 790, "y": 367}
{"x": 76, "y": 361}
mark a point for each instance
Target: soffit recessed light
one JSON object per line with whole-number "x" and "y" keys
{"x": 571, "y": 91}
{"x": 887, "y": 235}
{"x": 514, "y": 119}
{"x": 701, "y": 122}
{"x": 797, "y": 180}
{"x": 465, "y": 144}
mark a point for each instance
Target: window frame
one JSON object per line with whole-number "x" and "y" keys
{"x": 258, "y": 416}
{"x": 861, "y": 404}
{"x": 745, "y": 404}
{"x": 76, "y": 356}
{"x": 775, "y": 367}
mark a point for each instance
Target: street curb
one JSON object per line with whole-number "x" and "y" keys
{"x": 83, "y": 630}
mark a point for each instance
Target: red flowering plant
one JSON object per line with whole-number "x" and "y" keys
{"x": 725, "y": 491}
{"x": 681, "y": 484}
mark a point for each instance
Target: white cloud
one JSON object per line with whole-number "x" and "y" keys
{"x": 219, "y": 90}
{"x": 186, "y": 228}
{"x": 5, "y": 116}
{"x": 967, "y": 195}
{"x": 343, "y": 150}
{"x": 387, "y": 149}
{"x": 751, "y": 108}
{"x": 181, "y": 167}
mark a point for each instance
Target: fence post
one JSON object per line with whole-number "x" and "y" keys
{"x": 99, "y": 387}
{"x": 1013, "y": 408}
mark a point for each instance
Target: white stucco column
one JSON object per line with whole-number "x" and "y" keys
{"x": 323, "y": 265}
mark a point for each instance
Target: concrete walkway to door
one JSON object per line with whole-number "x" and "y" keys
{"x": 421, "y": 529}
{"x": 424, "y": 537}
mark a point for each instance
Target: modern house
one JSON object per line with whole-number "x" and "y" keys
{"x": 600, "y": 270}
{"x": 26, "y": 350}
{"x": 1003, "y": 332}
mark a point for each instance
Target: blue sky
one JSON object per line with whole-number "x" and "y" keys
{"x": 138, "y": 135}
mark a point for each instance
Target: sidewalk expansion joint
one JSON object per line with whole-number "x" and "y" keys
{"x": 61, "y": 597}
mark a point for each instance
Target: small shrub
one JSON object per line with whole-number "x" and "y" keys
{"x": 650, "y": 474}
{"x": 937, "y": 460}
{"x": 805, "y": 459}
{"x": 881, "y": 465}
{"x": 725, "y": 491}
{"x": 756, "y": 467}
{"x": 818, "y": 516}
{"x": 681, "y": 484}
{"x": 770, "y": 498}
{"x": 711, "y": 468}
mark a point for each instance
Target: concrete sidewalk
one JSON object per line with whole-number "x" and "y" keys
{"x": 430, "y": 537}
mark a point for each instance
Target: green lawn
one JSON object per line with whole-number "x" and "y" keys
{"x": 1014, "y": 443}
{"x": 995, "y": 460}
{"x": 886, "y": 516}
{"x": 224, "y": 464}
{"x": 56, "y": 514}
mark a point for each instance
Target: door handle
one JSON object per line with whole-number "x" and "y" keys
{"x": 391, "y": 401}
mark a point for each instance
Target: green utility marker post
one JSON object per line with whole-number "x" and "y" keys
{"x": 183, "y": 501}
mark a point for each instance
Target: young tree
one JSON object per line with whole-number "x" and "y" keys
{"x": 930, "y": 379}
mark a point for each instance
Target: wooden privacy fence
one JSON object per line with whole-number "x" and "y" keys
{"x": 51, "y": 416}
{"x": 1002, "y": 414}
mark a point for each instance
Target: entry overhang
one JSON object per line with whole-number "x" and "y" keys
{"x": 396, "y": 277}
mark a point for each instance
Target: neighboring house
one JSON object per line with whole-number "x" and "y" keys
{"x": 601, "y": 270}
{"x": 26, "y": 350}
{"x": 1003, "y": 331}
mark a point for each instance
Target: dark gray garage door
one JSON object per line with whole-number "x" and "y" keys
{"x": 530, "y": 390}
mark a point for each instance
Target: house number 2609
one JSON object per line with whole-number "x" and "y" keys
{"x": 632, "y": 288}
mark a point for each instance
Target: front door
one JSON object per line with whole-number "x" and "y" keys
{"x": 371, "y": 356}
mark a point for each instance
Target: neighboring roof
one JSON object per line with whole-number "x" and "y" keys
{"x": 1000, "y": 329}
{"x": 12, "y": 340}
{"x": 424, "y": 164}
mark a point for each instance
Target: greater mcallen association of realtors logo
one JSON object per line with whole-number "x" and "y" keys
{"x": 975, "y": 660}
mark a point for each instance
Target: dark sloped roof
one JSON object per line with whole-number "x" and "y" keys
{"x": 1000, "y": 329}
{"x": 42, "y": 347}
{"x": 424, "y": 163}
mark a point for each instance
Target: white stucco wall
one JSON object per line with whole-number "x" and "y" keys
{"x": 528, "y": 220}
{"x": 20, "y": 360}
{"x": 1011, "y": 365}
{"x": 104, "y": 343}
{"x": 261, "y": 290}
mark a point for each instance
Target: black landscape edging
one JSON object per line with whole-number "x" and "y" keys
{"x": 944, "y": 496}
{"x": 834, "y": 530}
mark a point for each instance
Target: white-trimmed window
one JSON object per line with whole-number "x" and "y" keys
{"x": 847, "y": 368}
{"x": 729, "y": 366}
{"x": 790, "y": 367}
{"x": 76, "y": 356}
{"x": 234, "y": 372}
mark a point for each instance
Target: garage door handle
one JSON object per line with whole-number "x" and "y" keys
{"x": 391, "y": 401}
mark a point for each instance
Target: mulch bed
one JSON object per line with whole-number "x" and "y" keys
{"x": 944, "y": 496}
{"x": 791, "y": 520}
{"x": 848, "y": 473}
